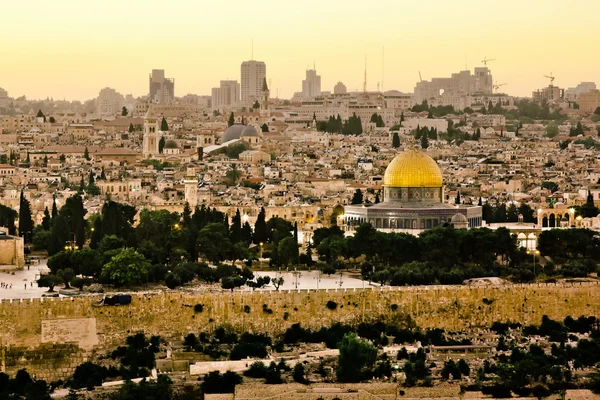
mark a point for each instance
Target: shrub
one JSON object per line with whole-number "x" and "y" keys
{"x": 332, "y": 305}
{"x": 198, "y": 308}
{"x": 257, "y": 370}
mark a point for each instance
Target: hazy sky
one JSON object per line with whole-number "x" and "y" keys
{"x": 73, "y": 48}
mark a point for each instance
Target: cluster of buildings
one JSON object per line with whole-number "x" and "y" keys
{"x": 275, "y": 157}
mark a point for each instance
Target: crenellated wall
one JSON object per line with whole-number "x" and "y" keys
{"x": 171, "y": 314}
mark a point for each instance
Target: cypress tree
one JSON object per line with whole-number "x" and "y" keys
{"x": 161, "y": 144}
{"x": 396, "y": 140}
{"x": 46, "y": 219}
{"x": 260, "y": 227}
{"x": 86, "y": 154}
{"x": 187, "y": 214}
{"x": 25, "y": 220}
{"x": 235, "y": 233}
{"x": 54, "y": 208}
{"x": 164, "y": 126}
{"x": 231, "y": 119}
{"x": 131, "y": 128}
{"x": 91, "y": 179}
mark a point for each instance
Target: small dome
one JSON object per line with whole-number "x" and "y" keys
{"x": 459, "y": 218}
{"x": 413, "y": 168}
{"x": 171, "y": 144}
{"x": 564, "y": 218}
{"x": 249, "y": 131}
{"x": 233, "y": 132}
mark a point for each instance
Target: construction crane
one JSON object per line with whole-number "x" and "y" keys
{"x": 487, "y": 60}
{"x": 498, "y": 86}
{"x": 551, "y": 77}
{"x": 421, "y": 79}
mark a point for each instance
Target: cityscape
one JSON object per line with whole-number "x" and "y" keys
{"x": 398, "y": 222}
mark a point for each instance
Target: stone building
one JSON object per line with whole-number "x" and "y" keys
{"x": 413, "y": 199}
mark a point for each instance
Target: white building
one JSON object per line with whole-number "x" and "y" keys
{"x": 253, "y": 74}
{"x": 162, "y": 90}
{"x": 311, "y": 86}
{"x": 398, "y": 100}
{"x": 227, "y": 95}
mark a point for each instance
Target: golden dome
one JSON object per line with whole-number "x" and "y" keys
{"x": 413, "y": 168}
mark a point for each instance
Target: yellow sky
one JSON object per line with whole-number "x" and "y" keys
{"x": 73, "y": 48}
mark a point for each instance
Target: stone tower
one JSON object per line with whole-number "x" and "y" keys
{"x": 191, "y": 188}
{"x": 151, "y": 134}
{"x": 264, "y": 99}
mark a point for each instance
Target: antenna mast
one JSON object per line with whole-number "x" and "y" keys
{"x": 252, "y": 51}
{"x": 365, "y": 81}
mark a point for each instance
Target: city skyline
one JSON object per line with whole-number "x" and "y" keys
{"x": 199, "y": 51}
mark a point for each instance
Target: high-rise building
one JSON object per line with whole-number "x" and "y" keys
{"x": 253, "y": 74}
{"x": 3, "y": 98}
{"x": 227, "y": 95}
{"x": 589, "y": 101}
{"x": 311, "y": 86}
{"x": 162, "y": 90}
{"x": 339, "y": 88}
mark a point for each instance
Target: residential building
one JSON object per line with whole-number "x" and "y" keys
{"x": 253, "y": 74}
{"x": 162, "y": 90}
{"x": 573, "y": 93}
{"x": 227, "y": 95}
{"x": 3, "y": 98}
{"x": 589, "y": 101}
{"x": 109, "y": 102}
{"x": 461, "y": 84}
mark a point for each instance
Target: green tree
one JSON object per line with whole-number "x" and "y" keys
{"x": 25, "y": 219}
{"x": 161, "y": 144}
{"x": 66, "y": 274}
{"x": 424, "y": 142}
{"x": 260, "y": 228}
{"x": 52, "y": 120}
{"x": 589, "y": 210}
{"x": 552, "y": 129}
{"x": 288, "y": 251}
{"x": 131, "y": 128}
{"x": 164, "y": 126}
{"x": 477, "y": 134}
{"x": 256, "y": 105}
{"x": 49, "y": 281}
{"x": 395, "y": 140}
{"x": 357, "y": 198}
{"x": 124, "y": 111}
{"x": 128, "y": 267}
{"x": 264, "y": 127}
{"x": 231, "y": 120}
{"x": 46, "y": 219}
{"x": 356, "y": 358}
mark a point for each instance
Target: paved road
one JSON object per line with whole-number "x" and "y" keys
{"x": 314, "y": 280}
{"x": 23, "y": 283}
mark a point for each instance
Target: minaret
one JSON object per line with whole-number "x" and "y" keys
{"x": 151, "y": 135}
{"x": 264, "y": 104}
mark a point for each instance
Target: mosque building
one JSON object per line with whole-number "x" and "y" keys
{"x": 413, "y": 199}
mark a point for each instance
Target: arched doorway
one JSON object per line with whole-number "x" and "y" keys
{"x": 544, "y": 221}
{"x": 552, "y": 221}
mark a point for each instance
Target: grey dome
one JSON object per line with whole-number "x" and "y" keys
{"x": 249, "y": 131}
{"x": 233, "y": 132}
{"x": 459, "y": 218}
{"x": 171, "y": 144}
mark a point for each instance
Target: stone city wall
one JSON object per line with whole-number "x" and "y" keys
{"x": 171, "y": 314}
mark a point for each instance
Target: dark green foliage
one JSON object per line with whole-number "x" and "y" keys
{"x": 355, "y": 359}
{"x": 332, "y": 305}
{"x": 215, "y": 382}
{"x": 88, "y": 375}
{"x": 159, "y": 390}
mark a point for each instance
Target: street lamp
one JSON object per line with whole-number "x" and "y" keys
{"x": 534, "y": 253}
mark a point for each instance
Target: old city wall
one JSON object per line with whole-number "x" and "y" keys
{"x": 29, "y": 324}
